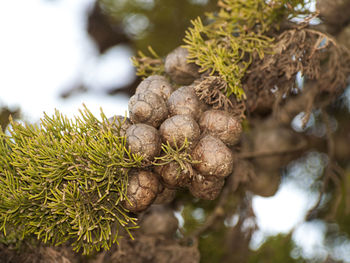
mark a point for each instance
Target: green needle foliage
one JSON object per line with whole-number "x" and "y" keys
{"x": 148, "y": 66}
{"x": 225, "y": 46}
{"x": 64, "y": 180}
{"x": 235, "y": 34}
{"x": 178, "y": 154}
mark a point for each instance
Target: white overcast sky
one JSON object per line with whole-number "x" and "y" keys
{"x": 44, "y": 49}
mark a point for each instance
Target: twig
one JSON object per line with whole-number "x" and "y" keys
{"x": 218, "y": 212}
{"x": 330, "y": 142}
{"x": 303, "y": 102}
{"x": 332, "y": 173}
{"x": 308, "y": 111}
{"x": 306, "y": 22}
{"x": 259, "y": 154}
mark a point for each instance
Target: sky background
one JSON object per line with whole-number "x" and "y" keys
{"x": 44, "y": 50}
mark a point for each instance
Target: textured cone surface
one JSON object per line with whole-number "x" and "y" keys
{"x": 207, "y": 188}
{"x": 27, "y": 253}
{"x": 148, "y": 108}
{"x": 159, "y": 220}
{"x": 121, "y": 121}
{"x": 178, "y": 128}
{"x": 243, "y": 173}
{"x": 221, "y": 125}
{"x": 142, "y": 190}
{"x": 157, "y": 249}
{"x": 165, "y": 195}
{"x": 275, "y": 139}
{"x": 184, "y": 101}
{"x": 144, "y": 140}
{"x": 173, "y": 176}
{"x": 157, "y": 169}
{"x": 215, "y": 157}
{"x": 179, "y": 70}
{"x": 265, "y": 183}
{"x": 156, "y": 84}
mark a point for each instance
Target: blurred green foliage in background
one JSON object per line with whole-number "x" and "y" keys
{"x": 158, "y": 23}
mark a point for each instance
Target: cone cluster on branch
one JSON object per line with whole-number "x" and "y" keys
{"x": 78, "y": 180}
{"x": 166, "y": 113}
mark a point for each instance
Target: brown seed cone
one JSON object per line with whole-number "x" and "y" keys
{"x": 123, "y": 122}
{"x": 173, "y": 176}
{"x": 221, "y": 125}
{"x": 178, "y": 128}
{"x": 335, "y": 13}
{"x": 165, "y": 195}
{"x": 243, "y": 174}
{"x": 207, "y": 188}
{"x": 144, "y": 140}
{"x": 215, "y": 157}
{"x": 179, "y": 70}
{"x": 148, "y": 108}
{"x": 142, "y": 190}
{"x": 264, "y": 183}
{"x": 184, "y": 101}
{"x": 157, "y": 169}
{"x": 156, "y": 84}
{"x": 155, "y": 249}
{"x": 344, "y": 37}
{"x": 274, "y": 139}
{"x": 159, "y": 220}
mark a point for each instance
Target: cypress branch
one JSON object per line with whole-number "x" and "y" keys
{"x": 63, "y": 180}
{"x": 237, "y": 32}
{"x": 148, "y": 66}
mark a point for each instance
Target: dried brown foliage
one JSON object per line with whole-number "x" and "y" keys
{"x": 313, "y": 54}
{"x": 213, "y": 90}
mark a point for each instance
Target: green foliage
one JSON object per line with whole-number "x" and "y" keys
{"x": 258, "y": 15}
{"x": 275, "y": 249}
{"x": 181, "y": 155}
{"x": 212, "y": 244}
{"x": 240, "y": 31}
{"x": 64, "y": 180}
{"x": 228, "y": 56}
{"x": 236, "y": 33}
{"x": 160, "y": 24}
{"x": 339, "y": 208}
{"x": 147, "y": 66}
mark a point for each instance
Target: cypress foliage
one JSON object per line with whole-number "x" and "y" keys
{"x": 226, "y": 44}
{"x": 235, "y": 34}
{"x": 63, "y": 180}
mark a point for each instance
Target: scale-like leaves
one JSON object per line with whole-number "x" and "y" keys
{"x": 65, "y": 179}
